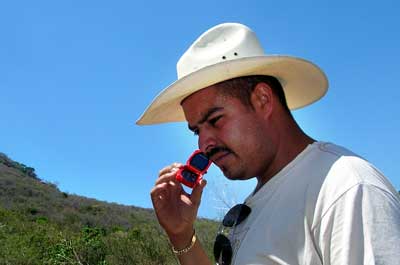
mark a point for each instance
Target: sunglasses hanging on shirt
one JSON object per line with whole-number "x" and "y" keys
{"x": 222, "y": 245}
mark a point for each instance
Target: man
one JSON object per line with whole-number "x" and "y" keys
{"x": 314, "y": 203}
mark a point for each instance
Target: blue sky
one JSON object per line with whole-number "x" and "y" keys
{"x": 75, "y": 75}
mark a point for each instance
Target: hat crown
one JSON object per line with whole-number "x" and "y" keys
{"x": 224, "y": 42}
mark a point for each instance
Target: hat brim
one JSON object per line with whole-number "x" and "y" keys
{"x": 303, "y": 83}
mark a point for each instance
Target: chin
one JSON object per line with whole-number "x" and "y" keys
{"x": 233, "y": 175}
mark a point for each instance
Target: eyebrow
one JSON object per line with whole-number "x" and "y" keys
{"x": 205, "y": 117}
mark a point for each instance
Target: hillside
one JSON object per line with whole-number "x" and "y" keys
{"x": 21, "y": 190}
{"x": 39, "y": 224}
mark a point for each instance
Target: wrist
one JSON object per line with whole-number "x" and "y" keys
{"x": 187, "y": 248}
{"x": 182, "y": 239}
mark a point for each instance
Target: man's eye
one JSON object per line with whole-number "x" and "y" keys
{"x": 214, "y": 120}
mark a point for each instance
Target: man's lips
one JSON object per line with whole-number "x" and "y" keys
{"x": 219, "y": 156}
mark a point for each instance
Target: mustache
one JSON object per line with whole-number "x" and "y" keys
{"x": 217, "y": 149}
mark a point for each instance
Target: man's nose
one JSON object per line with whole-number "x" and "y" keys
{"x": 206, "y": 141}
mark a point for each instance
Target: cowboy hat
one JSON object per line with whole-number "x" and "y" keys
{"x": 227, "y": 51}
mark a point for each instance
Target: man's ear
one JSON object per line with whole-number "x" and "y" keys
{"x": 262, "y": 98}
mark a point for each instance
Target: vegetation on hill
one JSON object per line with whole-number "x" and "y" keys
{"x": 39, "y": 224}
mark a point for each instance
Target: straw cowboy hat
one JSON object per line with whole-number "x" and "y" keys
{"x": 227, "y": 51}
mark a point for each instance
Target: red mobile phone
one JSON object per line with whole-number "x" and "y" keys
{"x": 196, "y": 166}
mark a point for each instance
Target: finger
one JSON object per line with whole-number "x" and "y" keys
{"x": 197, "y": 192}
{"x": 159, "y": 193}
{"x": 167, "y": 177}
{"x": 167, "y": 191}
{"x": 176, "y": 187}
{"x": 169, "y": 168}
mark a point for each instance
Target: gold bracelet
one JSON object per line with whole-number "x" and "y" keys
{"x": 182, "y": 251}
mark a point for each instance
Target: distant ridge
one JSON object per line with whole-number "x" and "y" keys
{"x": 21, "y": 190}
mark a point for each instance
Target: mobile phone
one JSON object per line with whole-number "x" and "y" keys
{"x": 192, "y": 173}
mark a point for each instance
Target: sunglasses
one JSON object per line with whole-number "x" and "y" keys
{"x": 222, "y": 246}
{"x": 192, "y": 173}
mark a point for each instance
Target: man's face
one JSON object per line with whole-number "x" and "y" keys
{"x": 232, "y": 134}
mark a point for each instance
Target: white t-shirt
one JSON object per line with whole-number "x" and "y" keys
{"x": 327, "y": 206}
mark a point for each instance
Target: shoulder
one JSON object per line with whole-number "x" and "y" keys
{"x": 347, "y": 168}
{"x": 348, "y": 172}
{"x": 332, "y": 151}
{"x": 350, "y": 169}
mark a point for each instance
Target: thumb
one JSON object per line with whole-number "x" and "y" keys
{"x": 198, "y": 191}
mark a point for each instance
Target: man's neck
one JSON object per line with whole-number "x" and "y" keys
{"x": 289, "y": 147}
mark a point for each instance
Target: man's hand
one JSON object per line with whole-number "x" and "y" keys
{"x": 176, "y": 210}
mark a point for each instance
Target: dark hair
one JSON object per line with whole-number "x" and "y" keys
{"x": 242, "y": 87}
